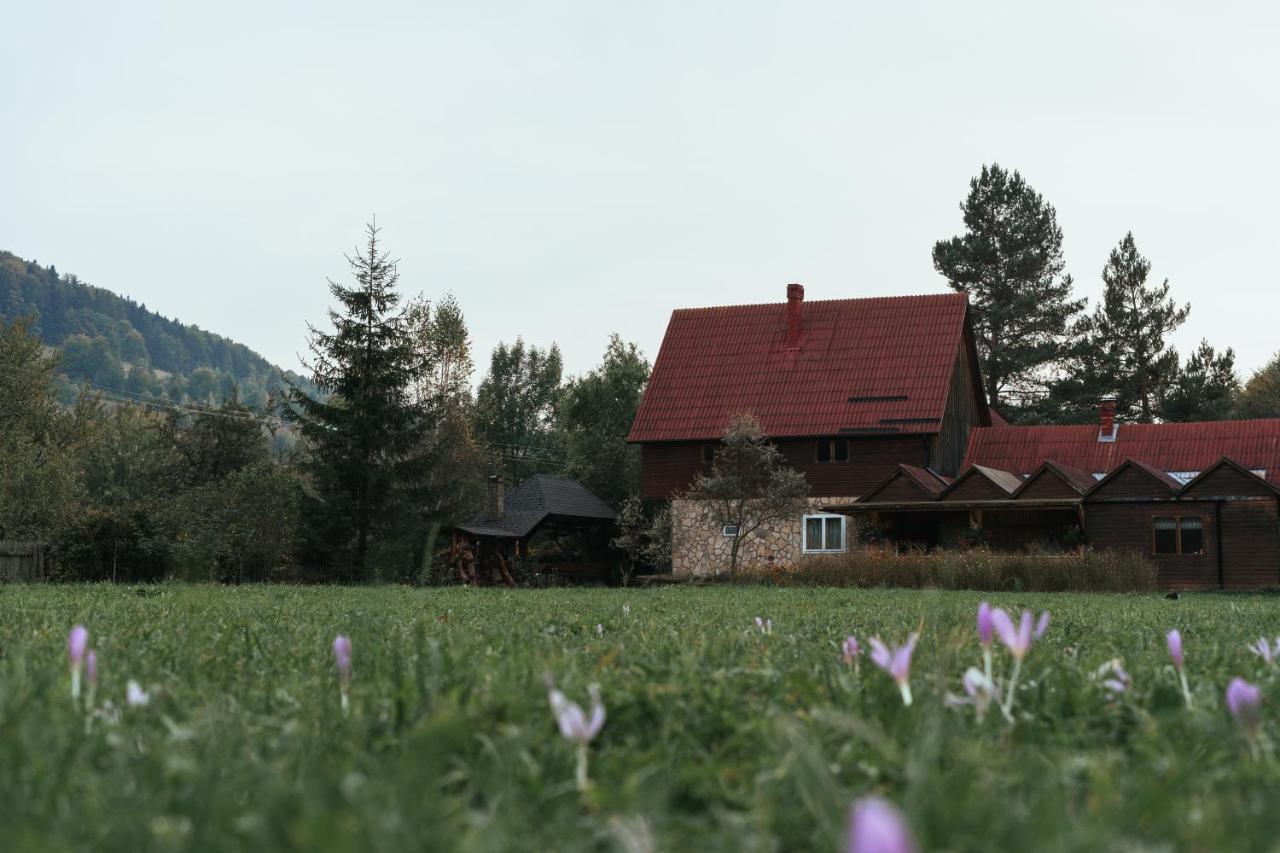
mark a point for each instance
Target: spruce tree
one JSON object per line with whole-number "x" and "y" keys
{"x": 365, "y": 439}
{"x": 1009, "y": 261}
{"x": 1126, "y": 357}
{"x": 1206, "y": 389}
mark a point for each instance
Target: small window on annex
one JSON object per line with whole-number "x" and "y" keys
{"x": 1177, "y": 535}
{"x": 824, "y": 534}
{"x": 730, "y": 530}
{"x": 833, "y": 450}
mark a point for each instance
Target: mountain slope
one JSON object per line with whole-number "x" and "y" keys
{"x": 117, "y": 344}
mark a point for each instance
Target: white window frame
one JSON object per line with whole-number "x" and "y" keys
{"x": 724, "y": 530}
{"x": 804, "y": 533}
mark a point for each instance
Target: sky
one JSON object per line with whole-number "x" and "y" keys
{"x": 573, "y": 169}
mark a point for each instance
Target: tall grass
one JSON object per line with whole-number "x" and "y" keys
{"x": 977, "y": 569}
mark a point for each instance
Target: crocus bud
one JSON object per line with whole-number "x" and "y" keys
{"x": 985, "y": 627}
{"x": 77, "y": 643}
{"x": 875, "y": 826}
{"x": 342, "y": 657}
{"x": 1174, "y": 638}
{"x": 1243, "y": 700}
{"x": 91, "y": 668}
{"x": 850, "y": 649}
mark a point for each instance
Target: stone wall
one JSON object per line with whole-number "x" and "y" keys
{"x": 699, "y": 547}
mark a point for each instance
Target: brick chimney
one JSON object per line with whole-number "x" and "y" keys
{"x": 795, "y": 315}
{"x": 496, "y": 505}
{"x": 1106, "y": 420}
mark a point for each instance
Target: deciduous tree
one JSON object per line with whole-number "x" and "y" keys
{"x": 750, "y": 485}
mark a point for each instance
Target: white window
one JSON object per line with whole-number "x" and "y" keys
{"x": 823, "y": 533}
{"x": 729, "y": 530}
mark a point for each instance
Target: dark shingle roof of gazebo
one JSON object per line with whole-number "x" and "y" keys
{"x": 538, "y": 497}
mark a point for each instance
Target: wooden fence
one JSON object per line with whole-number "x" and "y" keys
{"x": 21, "y": 561}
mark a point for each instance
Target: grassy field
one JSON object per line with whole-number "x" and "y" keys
{"x": 718, "y": 737}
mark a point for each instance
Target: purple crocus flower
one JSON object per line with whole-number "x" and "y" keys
{"x": 1265, "y": 650}
{"x": 1114, "y": 679}
{"x": 896, "y": 662}
{"x": 342, "y": 658}
{"x": 91, "y": 668}
{"x": 77, "y": 645}
{"x": 1243, "y": 700}
{"x": 575, "y": 725}
{"x": 850, "y": 648}
{"x": 985, "y": 626}
{"x": 875, "y": 826}
{"x": 1018, "y": 640}
{"x": 1174, "y": 639}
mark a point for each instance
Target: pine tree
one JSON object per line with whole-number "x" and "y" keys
{"x": 1125, "y": 354}
{"x": 1206, "y": 389}
{"x": 365, "y": 440}
{"x": 1009, "y": 261}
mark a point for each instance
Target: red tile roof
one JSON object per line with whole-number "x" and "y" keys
{"x": 895, "y": 354}
{"x": 1183, "y": 447}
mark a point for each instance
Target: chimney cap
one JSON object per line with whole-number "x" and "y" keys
{"x": 795, "y": 291}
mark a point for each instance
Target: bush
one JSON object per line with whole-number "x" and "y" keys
{"x": 978, "y": 569}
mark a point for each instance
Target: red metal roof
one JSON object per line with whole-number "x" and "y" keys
{"x": 1183, "y": 447}
{"x": 894, "y": 356}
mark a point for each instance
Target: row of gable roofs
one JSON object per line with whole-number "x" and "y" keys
{"x": 1054, "y": 482}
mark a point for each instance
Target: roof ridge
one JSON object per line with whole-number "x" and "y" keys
{"x": 904, "y": 296}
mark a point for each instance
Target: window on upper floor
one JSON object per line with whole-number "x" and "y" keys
{"x": 833, "y": 450}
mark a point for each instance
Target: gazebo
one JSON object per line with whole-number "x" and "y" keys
{"x": 558, "y": 522}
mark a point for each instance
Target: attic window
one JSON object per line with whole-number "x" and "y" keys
{"x": 883, "y": 398}
{"x": 833, "y": 450}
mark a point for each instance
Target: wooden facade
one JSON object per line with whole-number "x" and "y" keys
{"x": 1219, "y": 531}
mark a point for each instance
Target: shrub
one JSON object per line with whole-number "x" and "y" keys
{"x": 977, "y": 569}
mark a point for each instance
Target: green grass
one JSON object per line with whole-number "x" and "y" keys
{"x": 718, "y": 738}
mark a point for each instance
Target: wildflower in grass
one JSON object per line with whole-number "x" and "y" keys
{"x": 1114, "y": 679}
{"x": 985, "y": 632}
{"x": 875, "y": 826}
{"x": 1243, "y": 700}
{"x": 1018, "y": 642}
{"x": 851, "y": 650}
{"x": 135, "y": 696}
{"x": 575, "y": 725}
{"x": 1265, "y": 650}
{"x": 626, "y": 609}
{"x": 765, "y": 625}
{"x": 91, "y": 675}
{"x": 896, "y": 662}
{"x": 77, "y": 644}
{"x": 599, "y": 630}
{"x": 979, "y": 692}
{"x": 342, "y": 658}
{"x": 1174, "y": 639}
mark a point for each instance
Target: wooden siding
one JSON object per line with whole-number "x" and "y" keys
{"x": 901, "y": 489}
{"x": 1250, "y": 543}
{"x": 975, "y": 487}
{"x": 1046, "y": 486}
{"x": 959, "y": 417}
{"x": 1131, "y": 483}
{"x": 1128, "y": 527}
{"x": 669, "y": 467}
{"x": 1225, "y": 481}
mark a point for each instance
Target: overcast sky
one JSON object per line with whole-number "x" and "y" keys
{"x": 571, "y": 169}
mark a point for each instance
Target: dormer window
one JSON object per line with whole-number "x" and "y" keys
{"x": 833, "y": 450}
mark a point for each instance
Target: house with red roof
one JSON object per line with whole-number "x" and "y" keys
{"x": 878, "y": 402}
{"x": 847, "y": 389}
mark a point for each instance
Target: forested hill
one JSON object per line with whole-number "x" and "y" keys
{"x": 120, "y": 346}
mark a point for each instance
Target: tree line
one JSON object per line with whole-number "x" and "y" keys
{"x": 1045, "y": 358}
{"x": 392, "y": 446}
